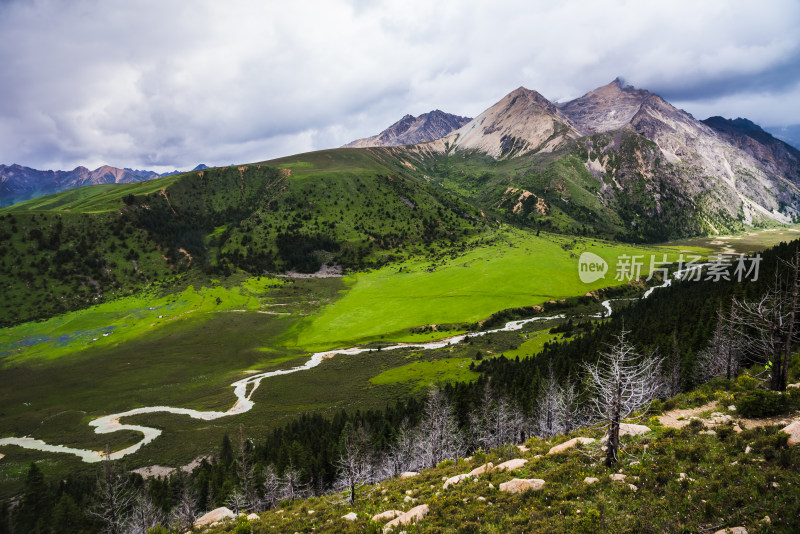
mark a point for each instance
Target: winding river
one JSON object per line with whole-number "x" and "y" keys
{"x": 243, "y": 391}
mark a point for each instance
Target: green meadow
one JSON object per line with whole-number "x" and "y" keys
{"x": 516, "y": 269}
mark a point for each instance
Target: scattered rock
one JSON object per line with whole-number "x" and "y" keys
{"x": 413, "y": 515}
{"x": 681, "y": 476}
{"x": 409, "y": 498}
{"x": 481, "y": 470}
{"x": 737, "y": 428}
{"x": 732, "y": 530}
{"x": 569, "y": 444}
{"x": 794, "y": 433}
{"x": 410, "y": 492}
{"x": 214, "y": 516}
{"x": 766, "y": 520}
{"x": 591, "y": 480}
{"x": 797, "y": 385}
{"x": 452, "y": 481}
{"x": 388, "y": 514}
{"x": 511, "y": 465}
{"x": 709, "y": 432}
{"x": 633, "y": 488}
{"x": 518, "y": 485}
{"x": 523, "y": 448}
{"x": 481, "y": 498}
{"x": 408, "y": 474}
{"x": 491, "y": 486}
{"x": 731, "y": 408}
{"x": 350, "y": 517}
{"x": 629, "y": 429}
{"x": 747, "y": 449}
{"x": 617, "y": 477}
{"x": 254, "y": 517}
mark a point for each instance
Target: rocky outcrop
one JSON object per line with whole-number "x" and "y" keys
{"x": 387, "y": 515}
{"x": 458, "y": 479}
{"x": 511, "y": 465}
{"x": 793, "y": 429}
{"x": 412, "y": 516}
{"x": 518, "y": 485}
{"x": 570, "y": 444}
{"x": 215, "y": 516}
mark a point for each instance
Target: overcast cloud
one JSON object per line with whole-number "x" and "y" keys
{"x": 167, "y": 84}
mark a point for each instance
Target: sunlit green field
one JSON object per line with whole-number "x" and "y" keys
{"x": 518, "y": 269}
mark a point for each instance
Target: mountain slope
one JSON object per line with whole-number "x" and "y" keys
{"x": 18, "y": 183}
{"x": 411, "y": 130}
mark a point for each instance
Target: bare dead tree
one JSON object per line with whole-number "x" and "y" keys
{"x": 112, "y": 499}
{"x": 184, "y": 513}
{"x": 548, "y": 414}
{"x": 495, "y": 421}
{"x": 270, "y": 489}
{"x": 144, "y": 516}
{"x": 437, "y": 436}
{"x": 623, "y": 382}
{"x": 401, "y": 454}
{"x": 767, "y": 325}
{"x": 291, "y": 487}
{"x": 721, "y": 355}
{"x": 237, "y": 501}
{"x": 572, "y": 411}
{"x": 354, "y": 466}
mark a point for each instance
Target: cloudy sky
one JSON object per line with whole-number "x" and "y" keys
{"x": 169, "y": 84}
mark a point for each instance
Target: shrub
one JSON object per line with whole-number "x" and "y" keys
{"x": 763, "y": 403}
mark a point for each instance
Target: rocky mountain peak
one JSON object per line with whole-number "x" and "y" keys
{"x": 412, "y": 130}
{"x": 606, "y": 108}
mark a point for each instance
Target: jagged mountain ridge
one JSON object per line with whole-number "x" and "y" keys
{"x": 411, "y": 130}
{"x": 709, "y": 170}
{"x": 19, "y": 183}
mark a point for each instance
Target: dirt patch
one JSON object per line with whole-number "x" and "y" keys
{"x": 326, "y": 271}
{"x": 679, "y": 418}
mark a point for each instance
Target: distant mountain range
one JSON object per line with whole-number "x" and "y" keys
{"x": 412, "y": 130}
{"x": 18, "y": 183}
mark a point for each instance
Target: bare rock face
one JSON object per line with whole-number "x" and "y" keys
{"x": 511, "y": 465}
{"x": 518, "y": 485}
{"x": 569, "y": 444}
{"x": 388, "y": 514}
{"x": 214, "y": 516}
{"x": 411, "y": 130}
{"x": 605, "y": 109}
{"x": 793, "y": 429}
{"x": 412, "y": 516}
{"x": 481, "y": 470}
{"x": 458, "y": 479}
{"x": 523, "y": 121}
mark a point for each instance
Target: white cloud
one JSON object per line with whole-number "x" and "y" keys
{"x": 161, "y": 84}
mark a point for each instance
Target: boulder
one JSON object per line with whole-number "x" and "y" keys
{"x": 408, "y": 474}
{"x": 518, "y": 485}
{"x": 633, "y": 487}
{"x": 794, "y": 433}
{"x": 452, "y": 481}
{"x": 523, "y": 448}
{"x": 413, "y": 515}
{"x": 591, "y": 480}
{"x": 797, "y": 385}
{"x": 569, "y": 444}
{"x": 481, "y": 470}
{"x": 388, "y": 514}
{"x": 511, "y": 465}
{"x": 617, "y": 477}
{"x": 214, "y": 516}
{"x": 350, "y": 517}
{"x": 254, "y": 517}
{"x": 732, "y": 530}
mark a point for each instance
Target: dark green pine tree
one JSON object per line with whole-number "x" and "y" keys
{"x": 36, "y": 505}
